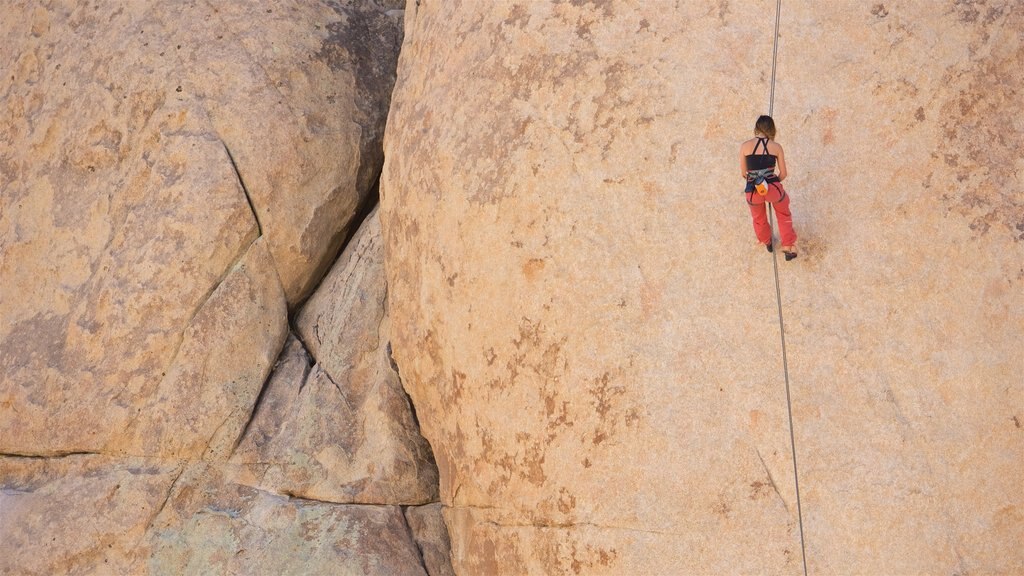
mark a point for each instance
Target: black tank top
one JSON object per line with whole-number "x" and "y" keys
{"x": 757, "y": 161}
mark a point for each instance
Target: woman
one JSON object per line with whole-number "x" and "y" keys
{"x": 763, "y": 165}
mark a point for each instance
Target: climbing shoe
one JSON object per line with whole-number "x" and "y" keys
{"x": 770, "y": 247}
{"x": 790, "y": 256}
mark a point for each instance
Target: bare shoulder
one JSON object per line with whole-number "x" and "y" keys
{"x": 748, "y": 146}
{"x": 774, "y": 147}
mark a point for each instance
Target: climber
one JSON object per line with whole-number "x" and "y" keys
{"x": 764, "y": 173}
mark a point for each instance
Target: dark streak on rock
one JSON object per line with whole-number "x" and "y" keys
{"x": 170, "y": 491}
{"x": 52, "y": 455}
{"x": 365, "y": 42}
{"x": 245, "y": 189}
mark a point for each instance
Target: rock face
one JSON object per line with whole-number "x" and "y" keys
{"x": 232, "y": 529}
{"x": 175, "y": 179}
{"x": 98, "y": 507}
{"x": 148, "y": 175}
{"x": 340, "y": 430}
{"x": 591, "y": 337}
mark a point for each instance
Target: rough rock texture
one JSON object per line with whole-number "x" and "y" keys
{"x": 174, "y": 178}
{"x": 144, "y": 148}
{"x": 904, "y": 322}
{"x": 590, "y": 334}
{"x": 95, "y": 505}
{"x": 205, "y": 398}
{"x": 342, "y": 430}
{"x": 212, "y": 526}
{"x": 431, "y": 535}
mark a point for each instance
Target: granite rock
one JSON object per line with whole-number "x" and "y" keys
{"x": 591, "y": 336}
{"x": 75, "y": 514}
{"x": 904, "y": 320}
{"x": 212, "y": 525}
{"x": 174, "y": 178}
{"x": 342, "y": 430}
{"x": 205, "y": 398}
{"x": 145, "y": 147}
{"x": 428, "y": 529}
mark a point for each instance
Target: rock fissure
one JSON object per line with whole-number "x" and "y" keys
{"x": 300, "y": 497}
{"x": 263, "y": 393}
{"x": 771, "y": 480}
{"x": 235, "y": 263}
{"x": 578, "y": 524}
{"x": 50, "y": 455}
{"x": 167, "y": 498}
{"x": 413, "y": 539}
{"x": 243, "y": 187}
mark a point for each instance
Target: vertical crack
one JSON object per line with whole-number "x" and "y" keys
{"x": 266, "y": 386}
{"x": 245, "y": 189}
{"x": 412, "y": 538}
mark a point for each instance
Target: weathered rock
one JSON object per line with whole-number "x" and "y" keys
{"x": 144, "y": 148}
{"x": 213, "y": 526}
{"x": 74, "y": 515}
{"x": 904, "y": 322}
{"x": 590, "y": 335}
{"x": 174, "y": 176}
{"x": 343, "y": 431}
{"x": 431, "y": 535}
{"x": 203, "y": 402}
{"x": 306, "y": 138}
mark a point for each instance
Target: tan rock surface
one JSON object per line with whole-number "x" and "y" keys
{"x": 343, "y": 430}
{"x": 904, "y": 322}
{"x": 306, "y": 136}
{"x": 122, "y": 207}
{"x": 203, "y": 402}
{"x": 174, "y": 176}
{"x": 212, "y": 526}
{"x": 590, "y": 334}
{"x": 74, "y": 515}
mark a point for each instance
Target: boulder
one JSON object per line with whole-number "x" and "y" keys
{"x": 145, "y": 148}
{"x": 306, "y": 136}
{"x": 176, "y": 177}
{"x": 206, "y": 397}
{"x": 591, "y": 335}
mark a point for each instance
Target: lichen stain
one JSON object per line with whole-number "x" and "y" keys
{"x": 532, "y": 268}
{"x": 607, "y": 400}
{"x": 978, "y": 122}
{"x": 35, "y": 344}
{"x": 562, "y": 552}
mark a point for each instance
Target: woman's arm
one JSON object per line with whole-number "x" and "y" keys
{"x": 743, "y": 163}
{"x": 782, "y": 164}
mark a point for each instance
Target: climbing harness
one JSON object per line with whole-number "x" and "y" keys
{"x": 760, "y": 170}
{"x": 759, "y": 180}
{"x": 778, "y": 298}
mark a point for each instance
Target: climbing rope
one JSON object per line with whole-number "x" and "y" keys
{"x": 778, "y": 299}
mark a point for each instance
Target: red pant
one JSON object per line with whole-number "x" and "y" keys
{"x": 780, "y": 201}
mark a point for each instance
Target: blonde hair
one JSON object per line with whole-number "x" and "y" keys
{"x": 765, "y": 125}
